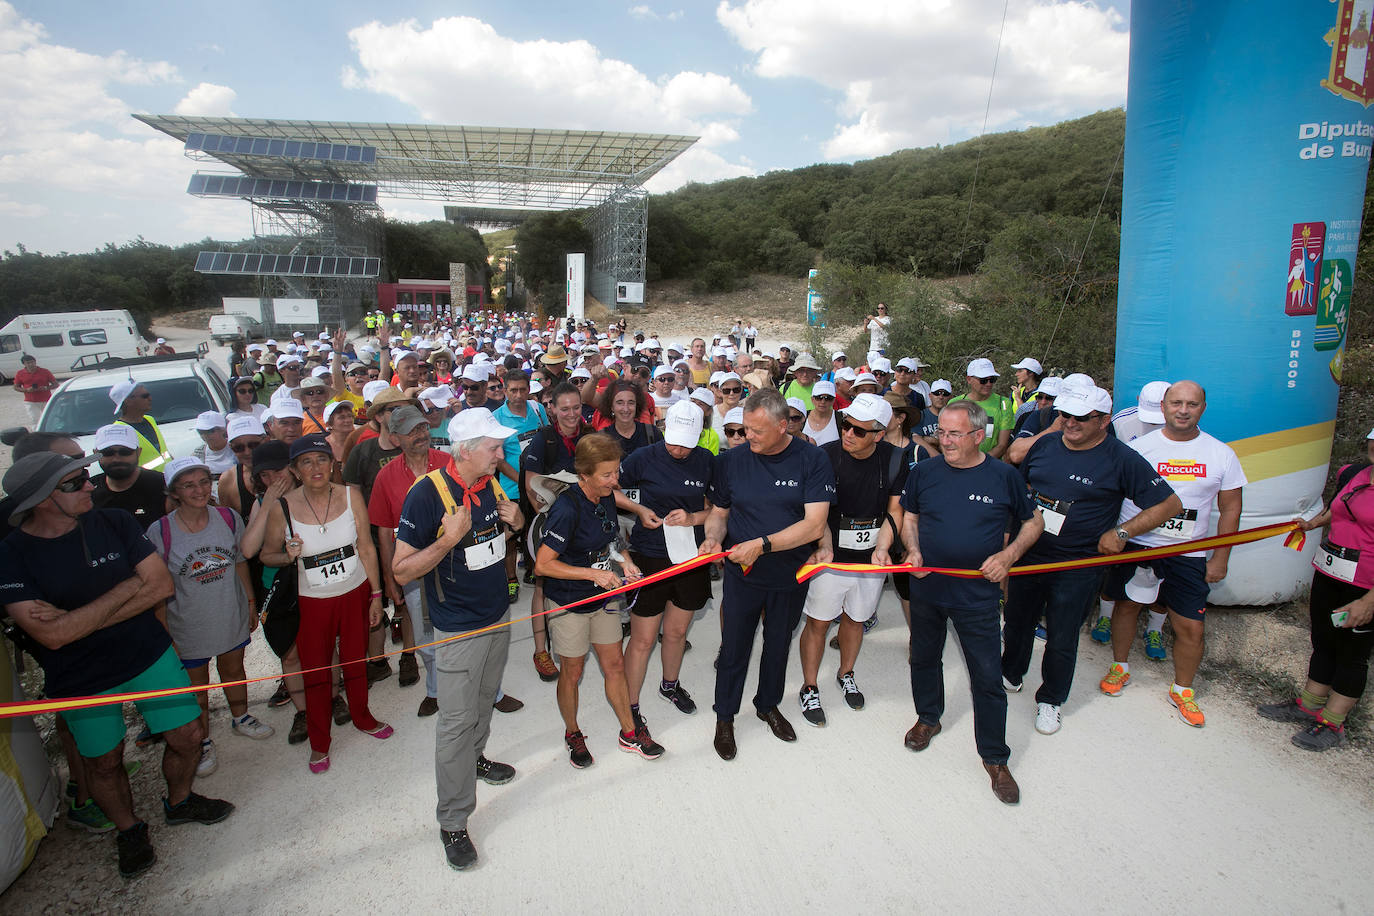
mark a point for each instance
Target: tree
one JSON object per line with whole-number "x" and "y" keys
{"x": 543, "y": 243}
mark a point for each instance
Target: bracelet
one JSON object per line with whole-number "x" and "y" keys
{"x": 376, "y": 594}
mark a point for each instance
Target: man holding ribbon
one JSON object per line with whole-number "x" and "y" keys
{"x": 1202, "y": 470}
{"x": 451, "y": 536}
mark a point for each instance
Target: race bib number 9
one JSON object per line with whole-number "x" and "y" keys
{"x": 1337, "y": 562}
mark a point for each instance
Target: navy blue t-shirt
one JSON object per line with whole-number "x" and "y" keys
{"x": 460, "y": 598}
{"x": 71, "y": 571}
{"x": 533, "y": 459}
{"x": 580, "y": 532}
{"x": 665, "y": 484}
{"x": 863, "y": 490}
{"x": 929, "y": 422}
{"x": 1087, "y": 488}
{"x": 962, "y": 516}
{"x": 765, "y": 494}
{"x": 1029, "y": 424}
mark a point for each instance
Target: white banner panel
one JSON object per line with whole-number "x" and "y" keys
{"x": 296, "y": 311}
{"x": 577, "y": 286}
{"x": 238, "y": 306}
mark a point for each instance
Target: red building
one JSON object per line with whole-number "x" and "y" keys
{"x": 420, "y": 298}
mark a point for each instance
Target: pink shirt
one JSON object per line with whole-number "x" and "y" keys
{"x": 1352, "y": 527}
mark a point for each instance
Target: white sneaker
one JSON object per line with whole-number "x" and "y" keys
{"x": 251, "y": 727}
{"x": 1009, "y": 687}
{"x": 208, "y": 761}
{"x": 1047, "y": 718}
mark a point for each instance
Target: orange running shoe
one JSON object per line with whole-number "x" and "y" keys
{"x": 1188, "y": 709}
{"x": 1116, "y": 680}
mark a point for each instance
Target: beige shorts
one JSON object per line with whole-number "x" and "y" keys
{"x": 574, "y": 634}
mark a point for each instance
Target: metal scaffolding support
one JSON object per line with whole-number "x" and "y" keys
{"x": 620, "y": 238}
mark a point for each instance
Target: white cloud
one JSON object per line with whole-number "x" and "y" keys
{"x": 539, "y": 83}
{"x": 699, "y": 163}
{"x": 207, "y": 100}
{"x": 76, "y": 171}
{"x": 916, "y": 72}
{"x": 647, "y": 13}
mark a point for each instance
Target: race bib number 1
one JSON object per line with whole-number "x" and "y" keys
{"x": 488, "y": 547}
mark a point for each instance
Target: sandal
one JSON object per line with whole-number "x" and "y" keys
{"x": 382, "y": 732}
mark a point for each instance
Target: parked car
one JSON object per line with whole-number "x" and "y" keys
{"x": 231, "y": 328}
{"x": 182, "y": 385}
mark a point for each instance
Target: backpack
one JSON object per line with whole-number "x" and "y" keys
{"x": 1347, "y": 474}
{"x": 436, "y": 477}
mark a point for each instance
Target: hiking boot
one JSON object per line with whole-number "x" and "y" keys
{"x": 1102, "y": 631}
{"x": 578, "y": 754}
{"x": 1116, "y": 680}
{"x": 281, "y": 697}
{"x": 88, "y": 817}
{"x": 1048, "y": 719}
{"x": 409, "y": 670}
{"x": 397, "y": 635}
{"x": 544, "y": 667}
{"x": 679, "y": 698}
{"x": 810, "y": 702}
{"x": 493, "y": 773}
{"x": 458, "y": 849}
{"x": 299, "y": 731}
{"x": 1292, "y": 711}
{"x": 197, "y": 808}
{"x": 1321, "y": 735}
{"x": 1154, "y": 646}
{"x": 135, "y": 850}
{"x": 1187, "y": 707}
{"x": 852, "y": 696}
{"x": 340, "y": 711}
{"x": 209, "y": 760}
{"x": 379, "y": 670}
{"x": 251, "y": 727}
{"x": 641, "y": 743}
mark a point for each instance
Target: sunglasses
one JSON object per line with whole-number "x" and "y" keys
{"x": 733, "y": 389}
{"x": 249, "y": 390}
{"x": 76, "y": 483}
{"x": 116, "y": 452}
{"x": 795, "y": 418}
{"x": 860, "y": 431}
{"x": 987, "y": 381}
{"x": 822, "y": 397}
{"x": 732, "y": 432}
{"x": 243, "y": 447}
{"x": 607, "y": 525}
{"x": 1069, "y": 416}
{"x": 474, "y": 387}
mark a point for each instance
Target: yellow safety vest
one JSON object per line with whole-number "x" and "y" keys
{"x": 151, "y": 455}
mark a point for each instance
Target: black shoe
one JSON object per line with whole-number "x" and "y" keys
{"x": 686, "y": 643}
{"x": 409, "y": 670}
{"x": 641, "y": 743}
{"x": 340, "y": 710}
{"x": 529, "y": 577}
{"x": 197, "y": 808}
{"x": 136, "y": 853}
{"x": 725, "y": 740}
{"x": 810, "y": 700}
{"x": 458, "y": 849}
{"x": 379, "y": 670}
{"x": 299, "y": 731}
{"x": 852, "y": 695}
{"x": 679, "y": 698}
{"x": 281, "y": 697}
{"x": 493, "y": 773}
{"x": 396, "y": 635}
{"x": 579, "y": 756}
{"x": 512, "y": 590}
{"x": 428, "y": 707}
{"x": 780, "y": 727}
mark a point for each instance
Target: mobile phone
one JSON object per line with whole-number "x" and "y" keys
{"x": 1338, "y": 619}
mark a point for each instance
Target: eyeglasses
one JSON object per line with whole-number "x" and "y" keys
{"x": 732, "y": 432}
{"x": 606, "y": 524}
{"x": 733, "y": 389}
{"x": 116, "y": 452}
{"x": 952, "y": 434}
{"x": 242, "y": 447}
{"x": 860, "y": 431}
{"x": 76, "y": 483}
{"x": 202, "y": 484}
{"x": 822, "y": 397}
{"x": 795, "y": 418}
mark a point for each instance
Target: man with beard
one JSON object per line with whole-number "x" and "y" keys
{"x": 125, "y": 485}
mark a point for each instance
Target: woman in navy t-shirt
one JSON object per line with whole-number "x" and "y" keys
{"x": 575, "y": 561}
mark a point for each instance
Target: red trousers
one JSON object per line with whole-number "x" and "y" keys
{"x": 322, "y": 621}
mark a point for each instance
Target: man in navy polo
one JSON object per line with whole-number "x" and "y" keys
{"x": 957, "y": 508}
{"x": 770, "y": 506}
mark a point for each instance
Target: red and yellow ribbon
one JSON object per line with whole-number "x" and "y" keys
{"x": 35, "y": 707}
{"x": 1295, "y": 540}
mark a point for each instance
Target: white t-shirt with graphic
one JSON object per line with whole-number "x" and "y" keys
{"x": 1197, "y": 470}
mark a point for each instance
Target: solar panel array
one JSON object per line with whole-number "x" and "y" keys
{"x": 279, "y": 189}
{"x": 286, "y": 265}
{"x": 290, "y": 149}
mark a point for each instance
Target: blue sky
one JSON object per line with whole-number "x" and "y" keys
{"x": 767, "y": 84}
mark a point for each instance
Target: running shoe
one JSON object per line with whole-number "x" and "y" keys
{"x": 578, "y": 755}
{"x": 641, "y": 743}
{"x": 852, "y": 695}
{"x": 544, "y": 667}
{"x": 871, "y": 622}
{"x": 88, "y": 817}
{"x": 494, "y": 773}
{"x": 1102, "y": 630}
{"x": 810, "y": 702}
{"x": 281, "y": 697}
{"x": 1116, "y": 680}
{"x": 197, "y": 808}
{"x": 1041, "y": 633}
{"x": 340, "y": 711}
{"x": 135, "y": 850}
{"x": 1009, "y": 687}
{"x": 458, "y": 849}
{"x": 1187, "y": 707}
{"x": 529, "y": 576}
{"x": 209, "y": 760}
{"x": 1321, "y": 735}
{"x": 1292, "y": 711}
{"x": 512, "y": 590}
{"x": 679, "y": 698}
{"x": 1048, "y": 719}
{"x": 251, "y": 727}
{"x": 1154, "y": 646}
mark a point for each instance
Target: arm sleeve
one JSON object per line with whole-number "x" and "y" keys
{"x": 818, "y": 486}
{"x": 631, "y": 469}
{"x": 1143, "y": 486}
{"x": 533, "y": 459}
{"x": 419, "y": 519}
{"x": 558, "y": 526}
{"x": 718, "y": 490}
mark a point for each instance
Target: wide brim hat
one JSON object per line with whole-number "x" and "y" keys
{"x": 33, "y": 478}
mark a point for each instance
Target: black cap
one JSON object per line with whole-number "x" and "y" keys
{"x": 315, "y": 442}
{"x": 272, "y": 455}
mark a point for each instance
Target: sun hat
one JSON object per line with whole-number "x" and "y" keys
{"x": 33, "y": 478}
{"x": 869, "y": 408}
{"x": 805, "y": 361}
{"x": 474, "y": 423}
{"x": 389, "y": 395}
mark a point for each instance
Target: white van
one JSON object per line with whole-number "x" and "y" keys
{"x": 58, "y": 340}
{"x": 231, "y": 328}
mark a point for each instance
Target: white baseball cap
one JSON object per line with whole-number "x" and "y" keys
{"x": 300, "y": 334}
{"x": 736, "y": 415}
{"x": 579, "y": 372}
{"x": 474, "y": 373}
{"x": 162, "y": 340}
{"x": 838, "y": 354}
{"x": 116, "y": 435}
{"x": 178, "y": 466}
{"x": 271, "y": 343}
{"x": 287, "y": 408}
{"x": 1078, "y": 402}
{"x": 869, "y": 408}
{"x": 1031, "y": 364}
{"x": 704, "y": 395}
{"x": 982, "y": 368}
{"x": 208, "y": 420}
{"x": 439, "y": 395}
{"x": 1050, "y": 386}
{"x": 476, "y": 422}
{"x": 847, "y": 374}
{"x": 120, "y": 391}
{"x": 880, "y": 364}
{"x": 287, "y": 359}
{"x": 683, "y": 424}
{"x": 913, "y": 363}
{"x": 664, "y": 372}
{"x": 941, "y": 384}
{"x": 1077, "y": 381}
{"x": 1148, "y": 405}
{"x": 823, "y": 387}
{"x": 374, "y": 388}
{"x": 333, "y": 406}
{"x": 244, "y": 425}
{"x": 320, "y": 372}
{"x": 796, "y": 404}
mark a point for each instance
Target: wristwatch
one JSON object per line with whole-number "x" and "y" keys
{"x": 767, "y": 544}
{"x": 1123, "y": 534}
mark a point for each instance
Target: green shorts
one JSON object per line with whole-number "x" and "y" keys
{"x": 100, "y": 729}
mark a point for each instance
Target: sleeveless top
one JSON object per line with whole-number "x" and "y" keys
{"x": 329, "y": 564}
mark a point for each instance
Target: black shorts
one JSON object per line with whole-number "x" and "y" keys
{"x": 689, "y": 590}
{"x": 1183, "y": 586}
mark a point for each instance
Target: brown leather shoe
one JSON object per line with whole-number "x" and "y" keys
{"x": 508, "y": 703}
{"x": 782, "y": 729}
{"x": 725, "y": 740}
{"x": 1003, "y": 786}
{"x": 918, "y": 739}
